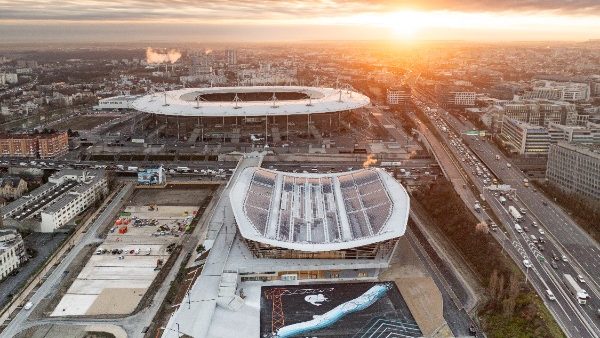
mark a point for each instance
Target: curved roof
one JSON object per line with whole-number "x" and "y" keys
{"x": 319, "y": 212}
{"x": 183, "y": 102}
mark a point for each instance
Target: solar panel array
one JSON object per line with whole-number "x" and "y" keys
{"x": 307, "y": 208}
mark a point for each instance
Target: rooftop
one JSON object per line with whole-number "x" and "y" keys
{"x": 319, "y": 212}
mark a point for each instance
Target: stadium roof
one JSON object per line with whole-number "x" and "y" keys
{"x": 188, "y": 102}
{"x": 319, "y": 212}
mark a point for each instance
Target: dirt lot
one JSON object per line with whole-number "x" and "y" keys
{"x": 171, "y": 197}
{"x": 86, "y": 122}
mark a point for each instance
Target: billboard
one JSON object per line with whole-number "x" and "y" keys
{"x": 152, "y": 176}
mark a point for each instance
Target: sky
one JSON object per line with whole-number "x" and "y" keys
{"x": 297, "y": 20}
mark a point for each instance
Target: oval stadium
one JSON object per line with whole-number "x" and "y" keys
{"x": 234, "y": 113}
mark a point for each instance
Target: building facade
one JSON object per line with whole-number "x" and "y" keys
{"x": 574, "y": 168}
{"x": 45, "y": 145}
{"x": 524, "y": 138}
{"x": 53, "y": 145}
{"x": 399, "y": 95}
{"x": 52, "y": 205}
{"x": 12, "y": 187}
{"x": 562, "y": 91}
{"x": 12, "y": 251}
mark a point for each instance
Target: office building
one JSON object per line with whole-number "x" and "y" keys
{"x": 574, "y": 168}
{"x": 524, "y": 138}
{"x": 561, "y": 91}
{"x": 400, "y": 95}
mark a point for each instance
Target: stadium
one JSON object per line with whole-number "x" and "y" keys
{"x": 306, "y": 220}
{"x": 237, "y": 114}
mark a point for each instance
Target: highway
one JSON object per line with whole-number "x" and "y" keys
{"x": 576, "y": 320}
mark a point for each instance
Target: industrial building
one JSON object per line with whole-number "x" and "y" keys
{"x": 12, "y": 251}
{"x": 47, "y": 208}
{"x": 574, "y": 168}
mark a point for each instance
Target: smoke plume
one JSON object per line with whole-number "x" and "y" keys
{"x": 170, "y": 56}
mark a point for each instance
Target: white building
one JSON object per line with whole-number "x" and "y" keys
{"x": 9, "y": 78}
{"x": 398, "y": 95}
{"x": 562, "y": 91}
{"x": 91, "y": 186}
{"x": 12, "y": 251}
{"x": 47, "y": 208}
{"x": 462, "y": 98}
{"x": 116, "y": 102}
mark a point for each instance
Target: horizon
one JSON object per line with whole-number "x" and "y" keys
{"x": 298, "y": 21}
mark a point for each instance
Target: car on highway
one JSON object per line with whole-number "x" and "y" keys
{"x": 534, "y": 224}
{"x": 564, "y": 258}
{"x": 542, "y": 232}
{"x": 527, "y": 263}
{"x": 580, "y": 279}
{"x": 550, "y": 294}
{"x": 554, "y": 265}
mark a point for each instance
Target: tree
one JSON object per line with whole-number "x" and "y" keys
{"x": 200, "y": 248}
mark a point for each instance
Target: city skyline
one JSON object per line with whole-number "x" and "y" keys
{"x": 266, "y": 21}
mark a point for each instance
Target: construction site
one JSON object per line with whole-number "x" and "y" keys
{"x": 138, "y": 245}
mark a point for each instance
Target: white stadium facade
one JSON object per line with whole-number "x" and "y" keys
{"x": 317, "y": 226}
{"x": 238, "y": 111}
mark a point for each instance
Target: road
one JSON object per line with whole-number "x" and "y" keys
{"x": 578, "y": 321}
{"x": 17, "y": 324}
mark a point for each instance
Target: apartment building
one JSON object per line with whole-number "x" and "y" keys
{"x": 12, "y": 251}
{"x": 49, "y": 207}
{"x": 45, "y": 145}
{"x": 574, "y": 168}
{"x": 53, "y": 145}
{"x": 92, "y": 186}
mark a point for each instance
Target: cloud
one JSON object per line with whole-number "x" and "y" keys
{"x": 215, "y": 10}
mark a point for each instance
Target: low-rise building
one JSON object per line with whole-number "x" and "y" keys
{"x": 12, "y": 251}
{"x": 123, "y": 102}
{"x": 398, "y": 95}
{"x": 49, "y": 207}
{"x": 12, "y": 187}
{"x": 574, "y": 168}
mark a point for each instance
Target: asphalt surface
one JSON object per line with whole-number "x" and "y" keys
{"x": 18, "y": 323}
{"x": 576, "y": 320}
{"x": 44, "y": 244}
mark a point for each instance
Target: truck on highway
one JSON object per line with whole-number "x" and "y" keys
{"x": 502, "y": 200}
{"x": 497, "y": 157}
{"x": 183, "y": 169}
{"x": 132, "y": 168}
{"x": 477, "y": 207}
{"x": 515, "y": 213}
{"x": 508, "y": 165}
{"x": 580, "y": 294}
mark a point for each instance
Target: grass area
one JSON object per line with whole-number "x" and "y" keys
{"x": 512, "y": 308}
